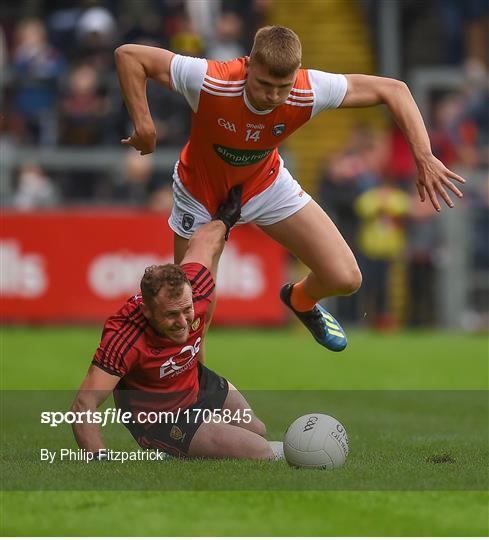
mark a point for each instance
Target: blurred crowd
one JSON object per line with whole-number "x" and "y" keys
{"x": 60, "y": 89}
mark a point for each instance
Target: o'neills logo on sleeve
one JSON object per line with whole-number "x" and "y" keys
{"x": 241, "y": 158}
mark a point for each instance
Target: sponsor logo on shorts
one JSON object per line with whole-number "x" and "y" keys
{"x": 188, "y": 221}
{"x": 226, "y": 124}
{"x": 278, "y": 129}
{"x": 241, "y": 158}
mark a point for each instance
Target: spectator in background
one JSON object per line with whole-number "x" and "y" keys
{"x": 184, "y": 38}
{"x": 34, "y": 189}
{"x": 140, "y": 185}
{"x": 83, "y": 111}
{"x": 36, "y": 66}
{"x": 445, "y": 112}
{"x": 352, "y": 170}
{"x": 84, "y": 121}
{"x": 382, "y": 237}
{"x": 161, "y": 199}
{"x": 339, "y": 186}
{"x": 96, "y": 38}
{"x": 61, "y": 24}
{"x": 253, "y": 14}
{"x": 140, "y": 23}
{"x": 421, "y": 255}
{"x": 137, "y": 175}
{"x": 226, "y": 45}
{"x": 3, "y": 50}
{"x": 460, "y": 130}
{"x": 400, "y": 163}
{"x": 472, "y": 134}
{"x": 464, "y": 23}
{"x": 202, "y": 15}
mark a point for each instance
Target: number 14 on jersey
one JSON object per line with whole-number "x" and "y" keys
{"x": 252, "y": 135}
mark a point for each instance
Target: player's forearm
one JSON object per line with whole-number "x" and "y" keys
{"x": 408, "y": 117}
{"x": 132, "y": 79}
{"x": 207, "y": 242}
{"x": 88, "y": 437}
{"x": 87, "y": 434}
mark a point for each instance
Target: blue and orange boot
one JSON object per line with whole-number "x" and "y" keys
{"x": 323, "y": 326}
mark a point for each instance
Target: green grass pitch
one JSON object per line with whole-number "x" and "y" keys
{"x": 415, "y": 406}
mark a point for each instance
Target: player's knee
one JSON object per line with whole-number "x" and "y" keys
{"x": 350, "y": 281}
{"x": 259, "y": 427}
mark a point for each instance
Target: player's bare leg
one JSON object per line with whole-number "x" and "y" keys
{"x": 235, "y": 401}
{"x": 180, "y": 246}
{"x": 239, "y": 407}
{"x": 312, "y": 237}
{"x": 221, "y": 440}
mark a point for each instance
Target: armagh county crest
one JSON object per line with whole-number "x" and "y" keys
{"x": 278, "y": 129}
{"x": 188, "y": 221}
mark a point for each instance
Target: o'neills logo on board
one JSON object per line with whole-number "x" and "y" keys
{"x": 240, "y": 158}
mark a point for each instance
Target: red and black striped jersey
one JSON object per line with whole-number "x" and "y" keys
{"x": 148, "y": 362}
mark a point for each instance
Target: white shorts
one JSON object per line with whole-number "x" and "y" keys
{"x": 279, "y": 201}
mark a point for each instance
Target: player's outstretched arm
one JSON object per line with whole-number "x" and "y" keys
{"x": 135, "y": 64}
{"x": 92, "y": 393}
{"x": 207, "y": 243}
{"x": 433, "y": 177}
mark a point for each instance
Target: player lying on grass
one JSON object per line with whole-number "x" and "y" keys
{"x": 242, "y": 110}
{"x": 149, "y": 358}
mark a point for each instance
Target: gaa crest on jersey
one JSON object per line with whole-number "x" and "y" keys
{"x": 278, "y": 129}
{"x": 188, "y": 221}
{"x": 195, "y": 324}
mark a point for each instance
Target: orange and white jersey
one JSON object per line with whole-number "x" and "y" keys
{"x": 231, "y": 142}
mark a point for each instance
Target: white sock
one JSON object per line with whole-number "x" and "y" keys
{"x": 278, "y": 449}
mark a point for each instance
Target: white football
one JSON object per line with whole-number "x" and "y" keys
{"x": 316, "y": 441}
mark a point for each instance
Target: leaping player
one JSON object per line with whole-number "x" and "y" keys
{"x": 242, "y": 110}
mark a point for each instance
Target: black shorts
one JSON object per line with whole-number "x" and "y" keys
{"x": 175, "y": 437}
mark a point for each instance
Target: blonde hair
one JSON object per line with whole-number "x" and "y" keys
{"x": 278, "y": 48}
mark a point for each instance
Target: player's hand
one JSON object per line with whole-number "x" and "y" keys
{"x": 230, "y": 211}
{"x": 434, "y": 178}
{"x": 142, "y": 140}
